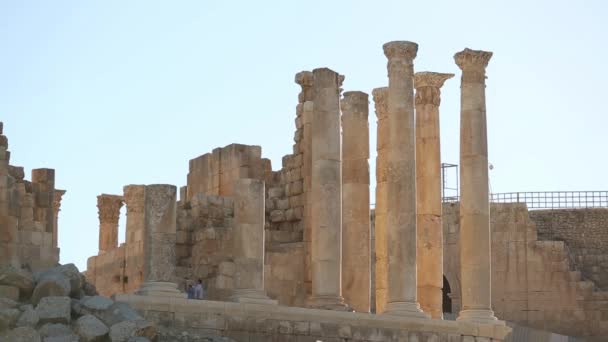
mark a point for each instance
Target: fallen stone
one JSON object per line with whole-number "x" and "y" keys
{"x": 9, "y": 291}
{"x": 6, "y": 303}
{"x": 91, "y": 329}
{"x": 28, "y": 318}
{"x": 55, "y": 330}
{"x": 117, "y": 313}
{"x": 21, "y": 334}
{"x": 8, "y": 317}
{"x": 54, "y": 310}
{"x": 52, "y": 285}
{"x": 96, "y": 303}
{"x": 89, "y": 289}
{"x": 121, "y": 332}
{"x": 138, "y": 339}
{"x": 66, "y": 338}
{"x": 11, "y": 276}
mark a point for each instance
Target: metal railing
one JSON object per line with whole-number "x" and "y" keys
{"x": 549, "y": 199}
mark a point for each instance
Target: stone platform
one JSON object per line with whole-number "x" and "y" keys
{"x": 255, "y": 322}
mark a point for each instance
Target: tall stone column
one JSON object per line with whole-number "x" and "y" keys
{"x": 356, "y": 260}
{"x": 326, "y": 192}
{"x": 381, "y": 277}
{"x": 134, "y": 254}
{"x": 160, "y": 237}
{"x": 249, "y": 196}
{"x": 43, "y": 186}
{"x": 401, "y": 181}
{"x": 8, "y": 226}
{"x": 109, "y": 212}
{"x": 56, "y": 209}
{"x": 428, "y": 187}
{"x": 475, "y": 258}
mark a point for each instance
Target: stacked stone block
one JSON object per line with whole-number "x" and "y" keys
{"x": 28, "y": 214}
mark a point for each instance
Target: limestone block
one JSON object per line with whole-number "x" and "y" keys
{"x": 54, "y": 284}
{"x": 122, "y": 331}
{"x": 28, "y": 318}
{"x": 69, "y": 271}
{"x": 10, "y": 292}
{"x": 65, "y": 338}
{"x": 227, "y": 268}
{"x": 11, "y": 276}
{"x": 119, "y": 312}
{"x": 54, "y": 330}
{"x": 8, "y": 317}
{"x": 277, "y": 216}
{"x": 54, "y": 310}
{"x": 21, "y": 334}
{"x": 90, "y": 329}
{"x": 283, "y": 204}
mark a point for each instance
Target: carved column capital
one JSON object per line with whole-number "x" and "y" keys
{"x": 473, "y": 64}
{"x": 57, "y": 199}
{"x": 305, "y": 80}
{"x": 134, "y": 198}
{"x": 109, "y": 207}
{"x": 380, "y": 96}
{"x": 352, "y": 102}
{"x": 428, "y": 85}
{"x": 400, "y": 55}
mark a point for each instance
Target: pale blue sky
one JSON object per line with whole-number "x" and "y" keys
{"x": 119, "y": 92}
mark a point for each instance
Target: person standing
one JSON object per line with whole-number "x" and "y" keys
{"x": 198, "y": 290}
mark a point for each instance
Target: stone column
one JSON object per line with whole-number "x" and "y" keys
{"x": 109, "y": 212}
{"x": 249, "y": 204}
{"x": 381, "y": 277}
{"x": 134, "y": 254}
{"x": 475, "y": 258}
{"x": 428, "y": 187}
{"x": 355, "y": 201}
{"x": 401, "y": 181}
{"x": 160, "y": 237}
{"x": 326, "y": 192}
{"x": 43, "y": 185}
{"x": 56, "y": 209}
{"x": 8, "y": 226}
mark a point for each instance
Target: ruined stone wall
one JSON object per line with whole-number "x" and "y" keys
{"x": 107, "y": 272}
{"x": 28, "y": 214}
{"x": 585, "y": 233}
{"x": 533, "y": 282}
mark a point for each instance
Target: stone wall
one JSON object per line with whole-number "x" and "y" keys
{"x": 585, "y": 233}
{"x": 177, "y": 318}
{"x": 28, "y": 214}
{"x": 533, "y": 282}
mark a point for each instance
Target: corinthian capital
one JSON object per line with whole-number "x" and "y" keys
{"x": 57, "y": 199}
{"x": 400, "y": 50}
{"x": 380, "y": 96}
{"x": 472, "y": 59}
{"x": 304, "y": 79}
{"x": 109, "y": 207}
{"x": 430, "y": 79}
{"x": 134, "y": 198}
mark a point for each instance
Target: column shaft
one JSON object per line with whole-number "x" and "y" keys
{"x": 401, "y": 181}
{"x": 428, "y": 187}
{"x": 109, "y": 214}
{"x": 475, "y": 258}
{"x": 382, "y": 140}
{"x": 355, "y": 201}
{"x": 249, "y": 216}
{"x": 56, "y": 209}
{"x": 134, "y": 254}
{"x": 326, "y": 192}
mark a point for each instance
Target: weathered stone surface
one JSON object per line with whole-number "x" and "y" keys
{"x": 96, "y": 303}
{"x": 6, "y": 303}
{"x": 21, "y": 334}
{"x": 69, "y": 271}
{"x": 138, "y": 339}
{"x": 52, "y": 284}
{"x": 8, "y": 317}
{"x": 119, "y": 312}
{"x": 90, "y": 329}
{"x": 54, "y": 330}
{"x": 66, "y": 338}
{"x": 12, "y": 276}
{"x": 121, "y": 332}
{"x": 54, "y": 310}
{"x": 9, "y": 292}
{"x": 28, "y": 318}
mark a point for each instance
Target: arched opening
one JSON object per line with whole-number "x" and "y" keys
{"x": 447, "y": 301}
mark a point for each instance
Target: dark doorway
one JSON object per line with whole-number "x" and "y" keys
{"x": 447, "y": 301}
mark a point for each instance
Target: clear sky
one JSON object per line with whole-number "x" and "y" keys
{"x": 126, "y": 92}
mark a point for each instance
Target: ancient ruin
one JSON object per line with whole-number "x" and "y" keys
{"x": 298, "y": 255}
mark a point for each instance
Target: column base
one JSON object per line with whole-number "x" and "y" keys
{"x": 248, "y": 296}
{"x": 160, "y": 289}
{"x": 479, "y": 316}
{"x": 405, "y": 309}
{"x": 335, "y": 303}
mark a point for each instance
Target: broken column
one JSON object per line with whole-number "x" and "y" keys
{"x": 380, "y": 100}
{"x": 355, "y": 201}
{"x": 401, "y": 181}
{"x": 428, "y": 187}
{"x": 326, "y": 186}
{"x": 109, "y": 212}
{"x": 159, "y": 241}
{"x": 56, "y": 209}
{"x": 475, "y": 259}
{"x": 249, "y": 215}
{"x": 43, "y": 187}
